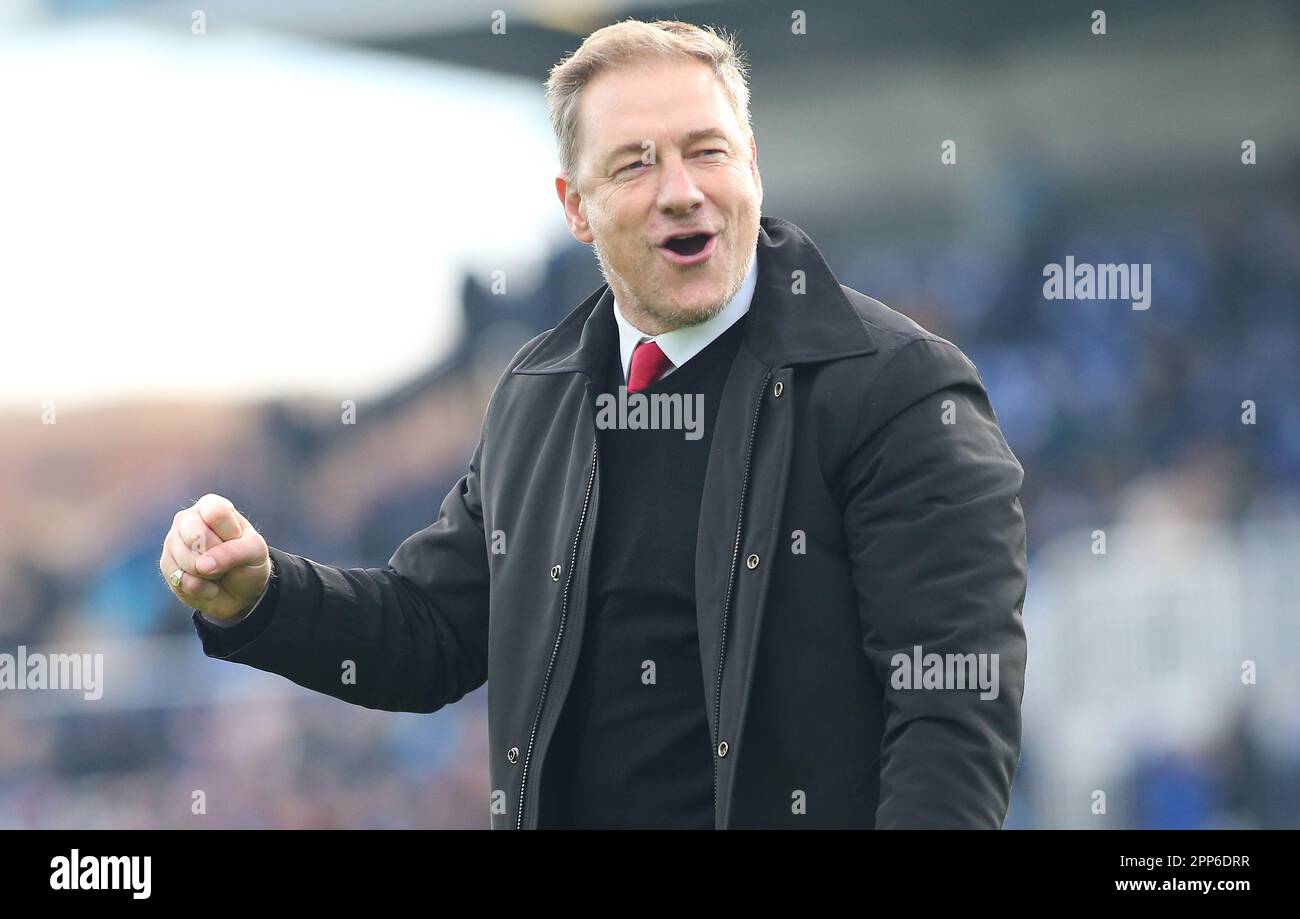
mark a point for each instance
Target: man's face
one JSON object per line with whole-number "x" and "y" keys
{"x": 644, "y": 178}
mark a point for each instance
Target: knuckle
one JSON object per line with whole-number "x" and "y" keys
{"x": 216, "y": 508}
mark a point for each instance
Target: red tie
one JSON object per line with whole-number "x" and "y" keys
{"x": 648, "y": 361}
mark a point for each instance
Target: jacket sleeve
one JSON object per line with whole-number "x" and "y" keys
{"x": 938, "y": 545}
{"x": 409, "y": 637}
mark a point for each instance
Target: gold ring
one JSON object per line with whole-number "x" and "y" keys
{"x": 175, "y": 578}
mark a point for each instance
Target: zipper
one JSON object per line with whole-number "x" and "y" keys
{"x": 731, "y": 580}
{"x": 564, "y": 608}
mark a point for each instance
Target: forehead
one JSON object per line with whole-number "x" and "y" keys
{"x": 643, "y": 101}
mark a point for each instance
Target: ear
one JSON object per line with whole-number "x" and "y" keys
{"x": 574, "y": 210}
{"x": 753, "y": 166}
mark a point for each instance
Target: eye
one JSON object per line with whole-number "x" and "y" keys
{"x": 632, "y": 165}
{"x": 704, "y": 152}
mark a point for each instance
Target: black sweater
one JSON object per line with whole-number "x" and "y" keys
{"x": 632, "y": 747}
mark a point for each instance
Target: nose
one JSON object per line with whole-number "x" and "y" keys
{"x": 678, "y": 192}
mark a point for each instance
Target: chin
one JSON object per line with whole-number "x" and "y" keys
{"x": 702, "y": 310}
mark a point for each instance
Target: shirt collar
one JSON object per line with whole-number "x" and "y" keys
{"x": 680, "y": 345}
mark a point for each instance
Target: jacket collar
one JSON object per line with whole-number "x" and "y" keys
{"x": 783, "y": 327}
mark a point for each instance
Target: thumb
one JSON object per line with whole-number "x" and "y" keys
{"x": 219, "y": 514}
{"x": 248, "y": 549}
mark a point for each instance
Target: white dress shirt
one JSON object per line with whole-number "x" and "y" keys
{"x": 680, "y": 345}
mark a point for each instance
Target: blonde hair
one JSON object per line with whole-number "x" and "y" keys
{"x": 633, "y": 41}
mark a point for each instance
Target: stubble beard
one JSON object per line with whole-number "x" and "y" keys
{"x": 655, "y": 303}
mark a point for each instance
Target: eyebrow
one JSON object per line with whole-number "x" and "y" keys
{"x": 636, "y": 146}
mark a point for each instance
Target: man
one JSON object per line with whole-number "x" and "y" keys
{"x": 781, "y": 612}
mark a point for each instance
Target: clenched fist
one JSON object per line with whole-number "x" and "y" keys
{"x": 223, "y": 561}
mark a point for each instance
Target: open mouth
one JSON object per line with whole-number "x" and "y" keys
{"x": 689, "y": 245}
{"x": 691, "y": 249}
